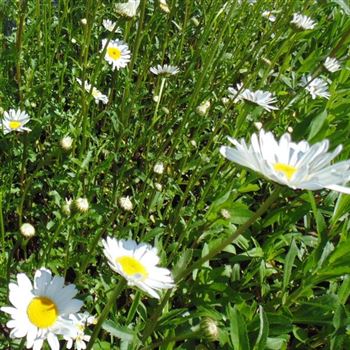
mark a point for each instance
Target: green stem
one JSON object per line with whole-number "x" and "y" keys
{"x": 51, "y": 241}
{"x": 116, "y": 292}
{"x": 19, "y": 36}
{"x": 2, "y": 228}
{"x": 154, "y": 119}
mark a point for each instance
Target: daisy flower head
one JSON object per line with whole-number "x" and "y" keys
{"x": 14, "y": 121}
{"x": 297, "y": 165}
{"x": 316, "y": 87}
{"x": 40, "y": 312}
{"x": 137, "y": 263}
{"x": 262, "y": 98}
{"x": 80, "y": 322}
{"x": 117, "y": 53}
{"x": 302, "y": 21}
{"x": 331, "y": 64}
{"x": 128, "y": 9}
{"x": 164, "y": 70}
{"x": 97, "y": 94}
{"x": 110, "y": 25}
{"x": 269, "y": 15}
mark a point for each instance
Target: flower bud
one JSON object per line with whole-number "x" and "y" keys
{"x": 66, "y": 208}
{"x": 66, "y": 143}
{"x": 203, "y": 108}
{"x": 125, "y": 203}
{"x": 27, "y": 230}
{"x": 210, "y": 328}
{"x": 159, "y": 168}
{"x": 81, "y": 205}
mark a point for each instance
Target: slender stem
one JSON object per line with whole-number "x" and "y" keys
{"x": 2, "y": 228}
{"x": 116, "y": 292}
{"x": 154, "y": 119}
{"x": 151, "y": 324}
{"x": 51, "y": 241}
{"x": 19, "y": 35}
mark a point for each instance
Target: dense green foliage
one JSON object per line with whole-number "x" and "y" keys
{"x": 284, "y": 282}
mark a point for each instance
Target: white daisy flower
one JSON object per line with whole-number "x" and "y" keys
{"x": 269, "y": 15}
{"x": 14, "y": 121}
{"x": 137, "y": 263}
{"x": 117, "y": 53}
{"x": 109, "y": 25}
{"x": 41, "y": 312}
{"x": 332, "y": 64}
{"x": 164, "y": 70}
{"x": 297, "y": 165}
{"x": 264, "y": 99}
{"x": 80, "y": 321}
{"x": 316, "y": 87}
{"x": 97, "y": 94}
{"x": 303, "y": 22}
{"x": 128, "y": 9}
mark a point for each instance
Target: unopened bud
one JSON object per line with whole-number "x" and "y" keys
{"x": 66, "y": 207}
{"x": 159, "y": 168}
{"x": 203, "y": 108}
{"x": 210, "y": 328}
{"x": 66, "y": 143}
{"x": 81, "y": 205}
{"x": 27, "y": 230}
{"x": 125, "y": 203}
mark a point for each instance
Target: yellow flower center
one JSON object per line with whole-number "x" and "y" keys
{"x": 114, "y": 53}
{"x": 133, "y": 268}
{"x": 286, "y": 169}
{"x": 14, "y": 124}
{"x": 42, "y": 312}
{"x": 95, "y": 92}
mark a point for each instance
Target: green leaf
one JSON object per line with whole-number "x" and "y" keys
{"x": 183, "y": 262}
{"x": 278, "y": 343}
{"x": 292, "y": 253}
{"x": 118, "y": 331}
{"x": 344, "y": 290}
{"x": 238, "y": 330}
{"x": 260, "y": 343}
{"x": 317, "y": 124}
{"x": 345, "y": 7}
{"x": 342, "y": 207}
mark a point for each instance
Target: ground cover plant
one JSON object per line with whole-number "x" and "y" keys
{"x": 174, "y": 174}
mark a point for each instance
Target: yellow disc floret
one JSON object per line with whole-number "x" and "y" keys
{"x": 286, "y": 169}
{"x": 114, "y": 53}
{"x": 132, "y": 267}
{"x": 14, "y": 124}
{"x": 42, "y": 312}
